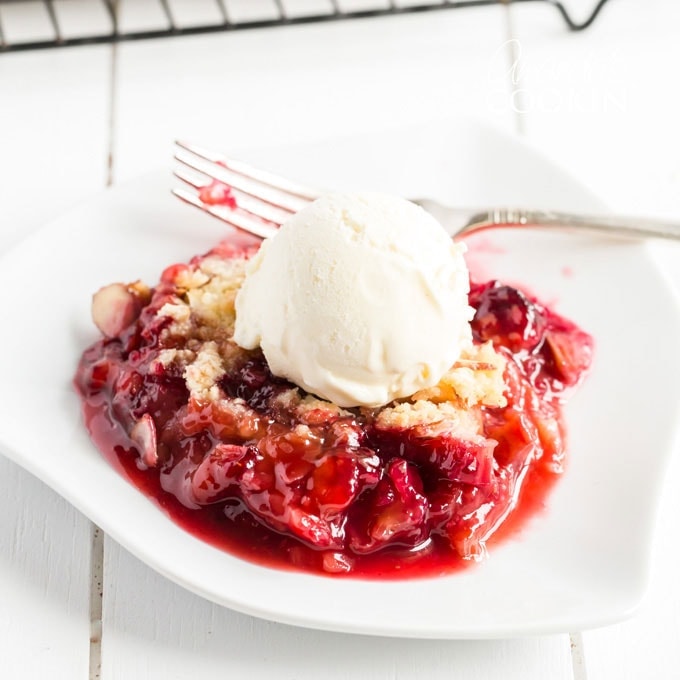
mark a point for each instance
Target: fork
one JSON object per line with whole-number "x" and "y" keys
{"x": 259, "y": 202}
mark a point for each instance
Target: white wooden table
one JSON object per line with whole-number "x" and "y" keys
{"x": 604, "y": 103}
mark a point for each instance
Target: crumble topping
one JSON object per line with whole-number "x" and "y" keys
{"x": 179, "y": 312}
{"x": 205, "y": 297}
{"x": 213, "y": 300}
{"x": 326, "y": 488}
{"x": 477, "y": 378}
{"x": 308, "y": 407}
{"x": 465, "y": 423}
{"x": 244, "y": 420}
{"x": 203, "y": 316}
{"x": 202, "y": 374}
{"x": 174, "y": 356}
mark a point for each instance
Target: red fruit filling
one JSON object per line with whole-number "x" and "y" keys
{"x": 321, "y": 488}
{"x": 217, "y": 193}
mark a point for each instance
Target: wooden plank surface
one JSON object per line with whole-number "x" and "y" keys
{"x": 44, "y": 581}
{"x": 156, "y": 630}
{"x": 53, "y": 153}
{"x": 299, "y": 83}
{"x": 54, "y": 134}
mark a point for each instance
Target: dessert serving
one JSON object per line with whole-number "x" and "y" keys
{"x": 340, "y": 399}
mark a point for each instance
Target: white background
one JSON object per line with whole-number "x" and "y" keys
{"x": 604, "y": 103}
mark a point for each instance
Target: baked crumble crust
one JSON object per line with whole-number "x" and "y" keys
{"x": 202, "y": 315}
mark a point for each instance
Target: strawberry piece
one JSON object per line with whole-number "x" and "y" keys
{"x": 143, "y": 434}
{"x": 339, "y": 476}
{"x": 296, "y": 486}
{"x": 507, "y": 317}
{"x": 337, "y": 563}
{"x": 455, "y": 459}
{"x": 224, "y": 419}
{"x": 114, "y": 308}
{"x": 215, "y": 476}
{"x": 397, "y": 511}
{"x": 217, "y": 193}
{"x": 571, "y": 354}
{"x": 440, "y": 453}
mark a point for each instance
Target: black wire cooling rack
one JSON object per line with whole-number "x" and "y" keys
{"x": 283, "y": 13}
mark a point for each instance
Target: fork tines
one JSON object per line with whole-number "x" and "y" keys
{"x": 263, "y": 200}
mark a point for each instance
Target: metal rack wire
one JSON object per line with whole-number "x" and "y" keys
{"x": 226, "y": 23}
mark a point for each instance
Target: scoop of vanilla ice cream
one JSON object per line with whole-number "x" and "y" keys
{"x": 359, "y": 299}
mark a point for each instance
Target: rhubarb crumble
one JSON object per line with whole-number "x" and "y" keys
{"x": 259, "y": 467}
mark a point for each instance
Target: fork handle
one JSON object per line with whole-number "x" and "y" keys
{"x": 632, "y": 227}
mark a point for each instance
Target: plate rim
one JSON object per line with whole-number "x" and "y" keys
{"x": 501, "y": 630}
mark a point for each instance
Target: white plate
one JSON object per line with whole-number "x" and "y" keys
{"x": 582, "y": 563}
